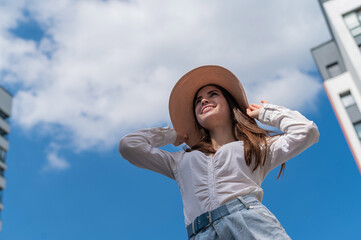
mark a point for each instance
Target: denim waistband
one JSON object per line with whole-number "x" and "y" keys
{"x": 204, "y": 220}
{"x": 238, "y": 203}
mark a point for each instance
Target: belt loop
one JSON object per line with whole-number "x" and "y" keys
{"x": 244, "y": 202}
{"x": 210, "y": 217}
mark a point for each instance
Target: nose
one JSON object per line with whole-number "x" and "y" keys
{"x": 204, "y": 101}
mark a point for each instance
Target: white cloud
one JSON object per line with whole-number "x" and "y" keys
{"x": 10, "y": 14}
{"x": 54, "y": 162}
{"x": 290, "y": 88}
{"x": 104, "y": 67}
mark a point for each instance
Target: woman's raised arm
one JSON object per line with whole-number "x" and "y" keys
{"x": 299, "y": 133}
{"x": 141, "y": 149}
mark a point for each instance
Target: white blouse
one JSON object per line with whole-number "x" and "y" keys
{"x": 207, "y": 182}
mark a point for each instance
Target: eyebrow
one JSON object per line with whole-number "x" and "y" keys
{"x": 199, "y": 97}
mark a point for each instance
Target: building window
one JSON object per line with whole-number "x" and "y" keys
{"x": 356, "y": 31}
{"x": 3, "y": 115}
{"x": 2, "y": 133}
{"x": 347, "y": 99}
{"x": 353, "y": 111}
{"x": 2, "y": 155}
{"x": 333, "y": 69}
{"x": 358, "y": 129}
{"x": 353, "y": 22}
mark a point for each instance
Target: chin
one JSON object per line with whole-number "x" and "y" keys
{"x": 209, "y": 122}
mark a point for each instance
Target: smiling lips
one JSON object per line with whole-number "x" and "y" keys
{"x": 207, "y": 108}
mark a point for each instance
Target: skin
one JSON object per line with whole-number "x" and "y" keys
{"x": 213, "y": 113}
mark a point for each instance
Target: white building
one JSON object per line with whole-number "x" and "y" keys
{"x": 339, "y": 62}
{"x": 5, "y": 112}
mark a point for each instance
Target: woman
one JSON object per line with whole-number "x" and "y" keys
{"x": 220, "y": 175}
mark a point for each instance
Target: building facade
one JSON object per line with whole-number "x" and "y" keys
{"x": 339, "y": 63}
{"x": 5, "y": 112}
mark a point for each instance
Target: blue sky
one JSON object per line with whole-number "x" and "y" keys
{"x": 79, "y": 87}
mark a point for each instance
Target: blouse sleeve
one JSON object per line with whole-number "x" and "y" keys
{"x": 140, "y": 148}
{"x": 299, "y": 133}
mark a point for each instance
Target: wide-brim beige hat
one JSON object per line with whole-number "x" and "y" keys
{"x": 182, "y": 97}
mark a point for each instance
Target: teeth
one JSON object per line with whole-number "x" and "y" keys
{"x": 206, "y": 109}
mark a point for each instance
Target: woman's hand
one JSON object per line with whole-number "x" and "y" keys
{"x": 254, "y": 109}
{"x": 180, "y": 139}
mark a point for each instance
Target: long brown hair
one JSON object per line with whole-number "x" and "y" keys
{"x": 245, "y": 129}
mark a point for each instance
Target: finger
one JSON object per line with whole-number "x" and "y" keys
{"x": 264, "y": 101}
{"x": 256, "y": 105}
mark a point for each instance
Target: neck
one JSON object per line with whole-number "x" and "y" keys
{"x": 221, "y": 136}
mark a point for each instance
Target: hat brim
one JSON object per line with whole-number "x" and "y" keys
{"x": 182, "y": 96}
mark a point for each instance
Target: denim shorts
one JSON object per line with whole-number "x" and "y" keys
{"x": 249, "y": 219}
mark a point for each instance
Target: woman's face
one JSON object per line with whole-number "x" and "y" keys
{"x": 211, "y": 108}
